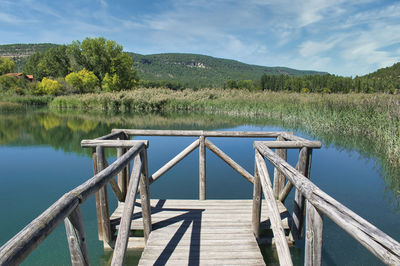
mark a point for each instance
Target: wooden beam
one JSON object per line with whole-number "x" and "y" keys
{"x": 377, "y": 242}
{"x": 299, "y": 200}
{"x": 282, "y": 246}
{"x": 114, "y": 143}
{"x": 22, "y": 244}
{"x": 314, "y": 229}
{"x": 291, "y": 144}
{"x": 126, "y": 219}
{"x": 202, "y": 168}
{"x": 229, "y": 161}
{"x": 198, "y": 133}
{"x": 174, "y": 161}
{"x": 279, "y": 178}
{"x": 145, "y": 197}
{"x": 103, "y": 197}
{"x": 257, "y": 199}
{"x": 76, "y": 238}
{"x": 112, "y": 135}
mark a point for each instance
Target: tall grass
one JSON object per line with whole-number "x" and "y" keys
{"x": 372, "y": 116}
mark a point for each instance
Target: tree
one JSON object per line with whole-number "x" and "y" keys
{"x": 84, "y": 81}
{"x": 106, "y": 60}
{"x": 6, "y": 65}
{"x": 48, "y": 86}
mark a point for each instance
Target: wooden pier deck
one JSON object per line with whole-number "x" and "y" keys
{"x": 202, "y": 232}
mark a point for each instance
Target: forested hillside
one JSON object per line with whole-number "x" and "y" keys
{"x": 189, "y": 70}
{"x": 194, "y": 70}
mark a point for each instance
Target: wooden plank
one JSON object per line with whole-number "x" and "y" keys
{"x": 124, "y": 229}
{"x": 202, "y": 169}
{"x": 291, "y": 144}
{"x": 314, "y": 228}
{"x": 279, "y": 178}
{"x": 98, "y": 210}
{"x": 299, "y": 200}
{"x": 114, "y": 143}
{"x": 276, "y": 224}
{"x": 76, "y": 238}
{"x": 112, "y": 135}
{"x": 377, "y": 242}
{"x": 229, "y": 161}
{"x": 306, "y": 143}
{"x": 145, "y": 197}
{"x": 206, "y": 262}
{"x": 174, "y": 161}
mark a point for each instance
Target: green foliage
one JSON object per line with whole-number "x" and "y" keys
{"x": 14, "y": 85}
{"x": 48, "y": 87}
{"x": 83, "y": 81}
{"x": 6, "y": 65}
{"x": 328, "y": 84}
{"x": 106, "y": 60}
{"x": 240, "y": 84}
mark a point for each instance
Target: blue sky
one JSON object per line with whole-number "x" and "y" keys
{"x": 342, "y": 37}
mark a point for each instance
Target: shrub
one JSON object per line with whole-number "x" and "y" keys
{"x": 48, "y": 86}
{"x": 84, "y": 81}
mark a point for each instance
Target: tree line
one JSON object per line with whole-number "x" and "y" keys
{"x": 320, "y": 84}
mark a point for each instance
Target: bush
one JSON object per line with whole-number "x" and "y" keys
{"x": 48, "y": 86}
{"x": 84, "y": 81}
{"x": 13, "y": 85}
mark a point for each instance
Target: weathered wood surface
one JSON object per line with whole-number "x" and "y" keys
{"x": 202, "y": 168}
{"x": 113, "y": 135}
{"x": 304, "y": 166}
{"x": 122, "y": 176}
{"x": 292, "y": 144}
{"x": 236, "y": 221}
{"x": 76, "y": 238}
{"x": 112, "y": 143}
{"x": 145, "y": 197}
{"x": 198, "y": 133}
{"x": 190, "y": 234}
{"x": 279, "y": 178}
{"x": 174, "y": 161}
{"x": 377, "y": 242}
{"x": 257, "y": 198}
{"x": 271, "y": 207}
{"x": 306, "y": 143}
{"x": 121, "y": 243}
{"x": 314, "y": 229}
{"x": 22, "y": 244}
{"x": 229, "y": 161}
{"x": 103, "y": 198}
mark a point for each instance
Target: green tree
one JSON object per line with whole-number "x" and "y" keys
{"x": 6, "y": 65}
{"x": 106, "y": 60}
{"x": 48, "y": 86}
{"x": 84, "y": 81}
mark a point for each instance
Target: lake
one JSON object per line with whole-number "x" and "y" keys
{"x": 41, "y": 159}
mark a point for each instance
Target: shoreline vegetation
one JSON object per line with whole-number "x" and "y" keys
{"x": 375, "y": 117}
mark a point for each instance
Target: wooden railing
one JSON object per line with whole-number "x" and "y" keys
{"x": 67, "y": 208}
{"x": 318, "y": 204}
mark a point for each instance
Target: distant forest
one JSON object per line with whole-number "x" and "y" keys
{"x": 181, "y": 71}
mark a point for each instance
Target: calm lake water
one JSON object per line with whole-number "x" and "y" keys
{"x": 41, "y": 159}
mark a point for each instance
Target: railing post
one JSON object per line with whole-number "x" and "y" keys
{"x": 103, "y": 200}
{"x": 314, "y": 229}
{"x": 279, "y": 178}
{"x": 256, "y": 211}
{"x": 202, "y": 169}
{"x": 145, "y": 197}
{"x": 299, "y": 202}
{"x": 98, "y": 209}
{"x": 76, "y": 238}
{"x": 123, "y": 175}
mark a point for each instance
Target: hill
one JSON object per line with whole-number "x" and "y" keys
{"x": 392, "y": 73}
{"x": 192, "y": 70}
{"x": 202, "y": 70}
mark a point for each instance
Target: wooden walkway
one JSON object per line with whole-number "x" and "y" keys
{"x": 205, "y": 232}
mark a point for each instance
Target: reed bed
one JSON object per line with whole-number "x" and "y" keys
{"x": 372, "y": 116}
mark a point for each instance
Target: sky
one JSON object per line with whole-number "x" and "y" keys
{"x": 346, "y": 38}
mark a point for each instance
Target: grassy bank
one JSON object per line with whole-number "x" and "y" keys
{"x": 375, "y": 117}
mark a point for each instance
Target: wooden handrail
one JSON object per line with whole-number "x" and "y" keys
{"x": 22, "y": 244}
{"x": 377, "y": 242}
